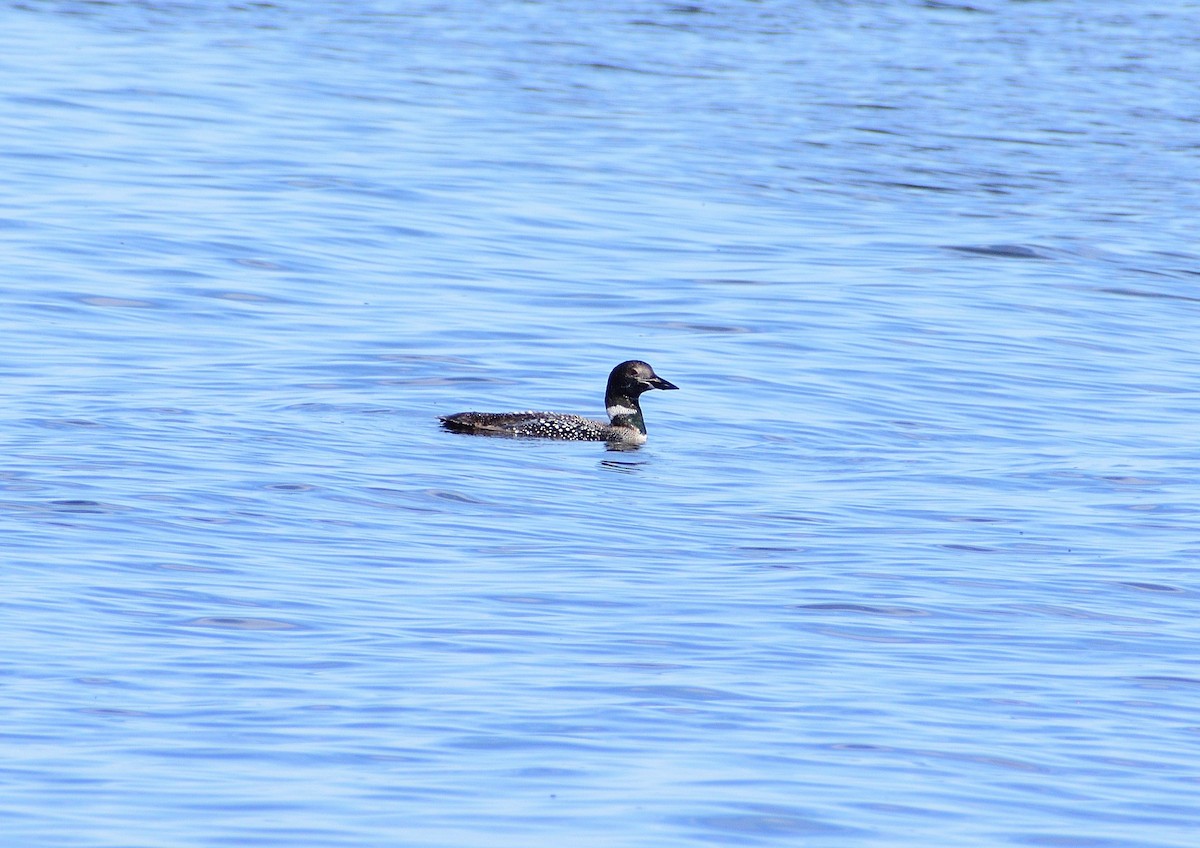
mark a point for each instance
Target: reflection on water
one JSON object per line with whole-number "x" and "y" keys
{"x": 625, "y": 467}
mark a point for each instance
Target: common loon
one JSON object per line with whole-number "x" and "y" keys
{"x": 626, "y": 383}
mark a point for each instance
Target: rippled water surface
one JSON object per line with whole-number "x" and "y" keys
{"x": 910, "y": 560}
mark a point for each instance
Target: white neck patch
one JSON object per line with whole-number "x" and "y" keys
{"x": 619, "y": 409}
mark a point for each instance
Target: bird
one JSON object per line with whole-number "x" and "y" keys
{"x": 626, "y": 383}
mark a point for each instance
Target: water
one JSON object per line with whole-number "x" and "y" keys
{"x": 910, "y": 559}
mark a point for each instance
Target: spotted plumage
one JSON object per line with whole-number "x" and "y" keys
{"x": 626, "y": 383}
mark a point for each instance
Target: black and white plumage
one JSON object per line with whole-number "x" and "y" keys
{"x": 626, "y": 383}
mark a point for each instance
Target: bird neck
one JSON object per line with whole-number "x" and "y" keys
{"x": 625, "y": 411}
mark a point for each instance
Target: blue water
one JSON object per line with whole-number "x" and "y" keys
{"x": 911, "y": 559}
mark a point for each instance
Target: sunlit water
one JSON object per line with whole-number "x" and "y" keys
{"x": 910, "y": 560}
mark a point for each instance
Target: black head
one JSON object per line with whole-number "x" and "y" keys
{"x": 630, "y": 379}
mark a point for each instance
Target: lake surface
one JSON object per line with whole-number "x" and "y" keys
{"x": 911, "y": 559}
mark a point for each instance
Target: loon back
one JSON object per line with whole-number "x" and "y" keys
{"x": 537, "y": 425}
{"x": 626, "y": 383}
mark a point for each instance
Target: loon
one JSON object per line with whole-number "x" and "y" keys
{"x": 626, "y": 383}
